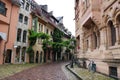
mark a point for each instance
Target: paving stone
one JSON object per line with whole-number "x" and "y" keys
{"x": 51, "y": 71}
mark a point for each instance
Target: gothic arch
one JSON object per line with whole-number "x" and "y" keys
{"x": 111, "y": 33}
{"x": 116, "y": 16}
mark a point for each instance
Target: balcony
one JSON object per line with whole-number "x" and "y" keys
{"x": 92, "y": 11}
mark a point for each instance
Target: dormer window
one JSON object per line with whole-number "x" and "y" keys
{"x": 27, "y": 6}
{"x": 22, "y": 3}
{"x": 3, "y": 9}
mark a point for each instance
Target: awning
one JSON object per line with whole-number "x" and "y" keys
{"x": 3, "y": 35}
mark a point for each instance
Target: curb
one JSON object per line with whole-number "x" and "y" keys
{"x": 73, "y": 72}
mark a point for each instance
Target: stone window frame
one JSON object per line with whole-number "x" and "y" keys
{"x": 26, "y": 20}
{"x": 24, "y": 36}
{"x": 19, "y": 32}
{"x": 21, "y": 16}
{"x": 23, "y": 3}
{"x": 27, "y": 6}
{"x": 109, "y": 31}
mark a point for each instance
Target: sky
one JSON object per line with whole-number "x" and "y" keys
{"x": 63, "y": 8}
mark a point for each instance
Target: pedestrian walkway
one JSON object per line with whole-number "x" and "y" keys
{"x": 84, "y": 74}
{"x": 69, "y": 75}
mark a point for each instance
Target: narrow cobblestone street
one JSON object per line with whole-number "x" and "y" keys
{"x": 51, "y": 71}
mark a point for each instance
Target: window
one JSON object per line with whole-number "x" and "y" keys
{"x": 112, "y": 33}
{"x": 19, "y": 35}
{"x": 26, "y": 20}
{"x": 27, "y": 6}
{"x": 2, "y": 8}
{"x": 21, "y": 18}
{"x": 33, "y": 22}
{"x": 44, "y": 29}
{"x": 47, "y": 31}
{"x": 86, "y": 4}
{"x": 22, "y": 3}
{"x": 113, "y": 71}
{"x": 24, "y": 36}
{"x": 40, "y": 27}
{"x": 51, "y": 33}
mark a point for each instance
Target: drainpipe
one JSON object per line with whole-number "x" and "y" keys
{"x": 4, "y": 54}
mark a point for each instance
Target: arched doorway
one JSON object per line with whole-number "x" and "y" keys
{"x": 37, "y": 56}
{"x": 112, "y": 33}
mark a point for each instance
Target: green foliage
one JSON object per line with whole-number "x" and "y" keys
{"x": 30, "y": 49}
{"x": 43, "y": 36}
{"x": 57, "y": 35}
{"x": 32, "y": 37}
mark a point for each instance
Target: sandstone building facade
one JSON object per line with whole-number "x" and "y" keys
{"x": 98, "y": 34}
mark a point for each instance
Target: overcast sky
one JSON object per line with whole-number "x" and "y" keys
{"x": 63, "y": 8}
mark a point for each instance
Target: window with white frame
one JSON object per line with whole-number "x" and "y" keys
{"x": 19, "y": 32}
{"x": 27, "y": 6}
{"x": 24, "y": 36}
{"x": 26, "y": 20}
{"x": 20, "y": 17}
{"x": 22, "y": 3}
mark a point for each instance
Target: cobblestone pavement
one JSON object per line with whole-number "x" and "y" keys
{"x": 51, "y": 71}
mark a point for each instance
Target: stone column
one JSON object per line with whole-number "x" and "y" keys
{"x": 103, "y": 38}
{"x": 117, "y": 34}
{"x": 20, "y": 59}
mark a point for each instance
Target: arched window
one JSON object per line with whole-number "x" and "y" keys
{"x": 20, "y": 17}
{"x": 112, "y": 33}
{"x": 24, "y": 36}
{"x": 19, "y": 35}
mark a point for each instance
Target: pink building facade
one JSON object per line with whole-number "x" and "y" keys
{"x": 7, "y": 29}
